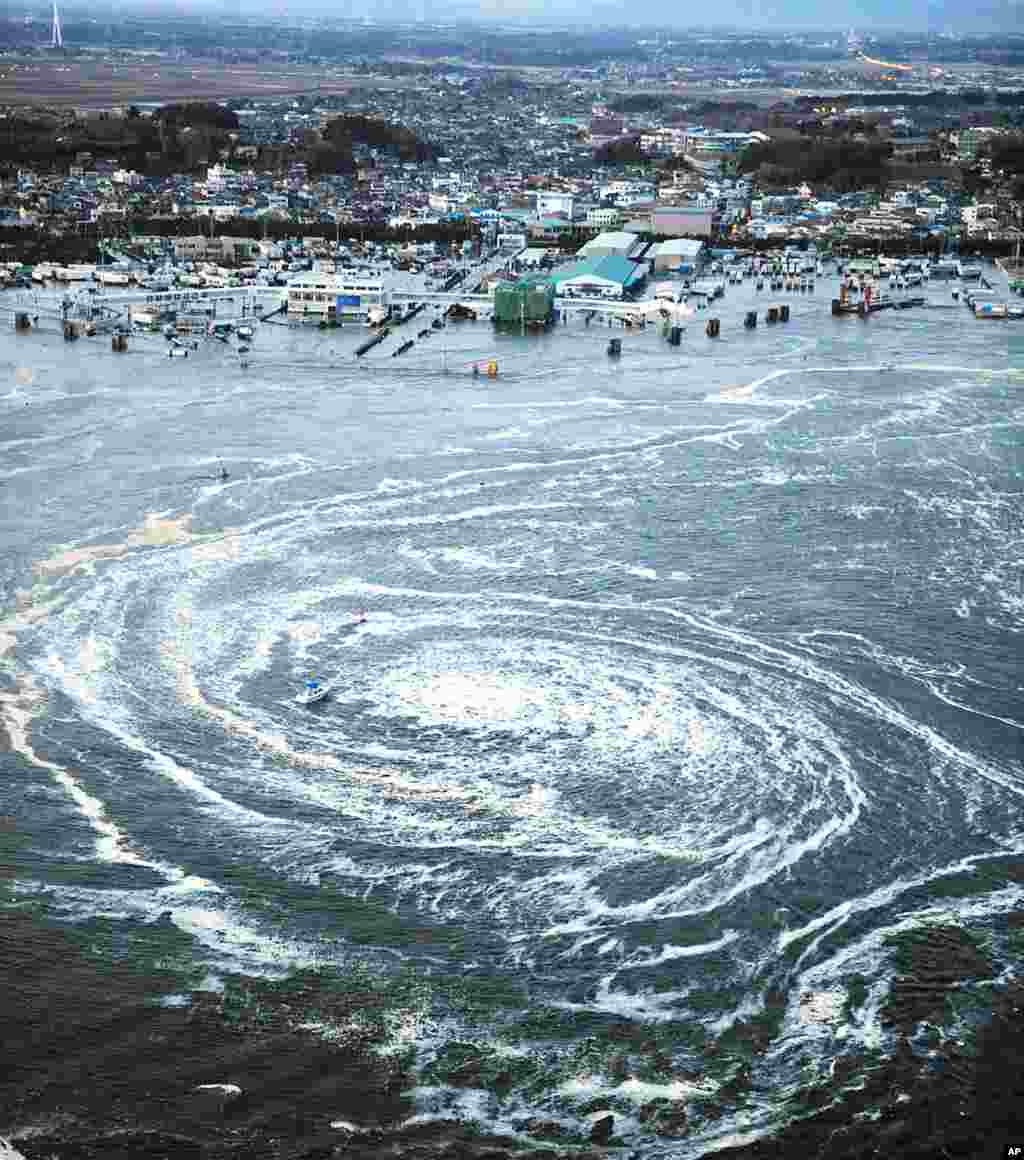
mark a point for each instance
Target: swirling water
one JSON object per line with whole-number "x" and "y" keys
{"x": 686, "y": 677}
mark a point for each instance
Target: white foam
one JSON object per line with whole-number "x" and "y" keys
{"x": 474, "y": 558}
{"x": 112, "y": 845}
{"x": 388, "y": 485}
{"x": 640, "y": 1092}
{"x": 669, "y": 952}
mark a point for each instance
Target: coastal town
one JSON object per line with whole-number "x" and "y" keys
{"x": 928, "y": 161}
{"x": 593, "y": 230}
{"x": 556, "y": 189}
{"x": 511, "y": 574}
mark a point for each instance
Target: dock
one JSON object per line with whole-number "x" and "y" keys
{"x": 870, "y": 300}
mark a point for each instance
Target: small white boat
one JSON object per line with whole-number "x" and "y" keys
{"x": 112, "y": 277}
{"x": 312, "y": 693}
{"x": 76, "y": 272}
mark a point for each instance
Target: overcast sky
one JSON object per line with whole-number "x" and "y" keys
{"x": 918, "y": 15}
{"x": 839, "y": 15}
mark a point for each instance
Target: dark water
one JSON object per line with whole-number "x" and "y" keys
{"x": 686, "y": 677}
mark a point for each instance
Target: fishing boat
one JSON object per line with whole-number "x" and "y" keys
{"x": 966, "y": 271}
{"x": 312, "y": 692}
{"x": 76, "y": 272}
{"x": 108, "y": 277}
{"x": 159, "y": 282}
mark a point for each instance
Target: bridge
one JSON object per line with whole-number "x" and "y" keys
{"x": 262, "y": 300}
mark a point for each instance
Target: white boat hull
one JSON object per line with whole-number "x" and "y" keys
{"x": 311, "y": 696}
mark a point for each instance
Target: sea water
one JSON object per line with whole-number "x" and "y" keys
{"x": 686, "y": 678}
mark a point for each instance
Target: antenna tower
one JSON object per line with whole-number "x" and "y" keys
{"x": 57, "y": 40}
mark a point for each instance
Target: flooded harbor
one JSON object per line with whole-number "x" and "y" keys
{"x": 688, "y": 673}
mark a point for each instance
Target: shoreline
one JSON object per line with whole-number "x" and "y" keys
{"x": 229, "y": 1075}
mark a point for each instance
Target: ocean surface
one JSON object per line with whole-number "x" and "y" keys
{"x": 686, "y": 678}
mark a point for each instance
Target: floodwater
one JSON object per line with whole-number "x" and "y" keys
{"x": 686, "y": 677}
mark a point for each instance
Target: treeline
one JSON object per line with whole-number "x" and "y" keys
{"x": 34, "y": 245}
{"x": 841, "y": 165}
{"x": 638, "y": 103}
{"x": 357, "y": 129}
{"x": 670, "y": 107}
{"x": 335, "y": 153}
{"x": 181, "y": 138}
{"x": 48, "y": 142}
{"x": 1007, "y": 153}
{"x": 198, "y": 114}
{"x": 932, "y": 100}
{"x": 176, "y": 138}
{"x": 276, "y": 230}
{"x": 193, "y": 134}
{"x": 622, "y": 151}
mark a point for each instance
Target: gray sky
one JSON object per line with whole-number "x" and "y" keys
{"x": 838, "y": 15}
{"x": 916, "y": 15}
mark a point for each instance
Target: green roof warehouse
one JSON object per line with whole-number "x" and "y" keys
{"x": 608, "y": 277}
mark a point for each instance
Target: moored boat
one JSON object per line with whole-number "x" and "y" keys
{"x": 76, "y": 272}
{"x": 112, "y": 277}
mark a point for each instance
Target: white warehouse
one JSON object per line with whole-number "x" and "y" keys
{"x": 682, "y": 254}
{"x": 610, "y": 245}
{"x": 334, "y": 296}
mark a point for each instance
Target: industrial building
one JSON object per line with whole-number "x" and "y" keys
{"x": 334, "y": 296}
{"x": 550, "y": 202}
{"x": 534, "y": 257}
{"x": 608, "y": 245}
{"x": 676, "y": 221}
{"x": 682, "y": 255}
{"x": 528, "y": 302}
{"x": 603, "y": 216}
{"x": 611, "y": 276}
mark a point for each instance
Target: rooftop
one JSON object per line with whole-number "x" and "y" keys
{"x": 611, "y": 268}
{"x": 685, "y": 247}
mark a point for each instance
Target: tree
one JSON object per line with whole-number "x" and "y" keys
{"x": 623, "y": 151}
{"x": 343, "y": 132}
{"x": 840, "y": 164}
{"x": 1007, "y": 154}
{"x": 198, "y": 113}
